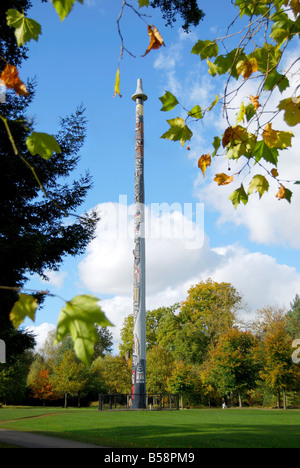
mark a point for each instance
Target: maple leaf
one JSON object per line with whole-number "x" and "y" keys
{"x": 284, "y": 193}
{"x": 254, "y": 101}
{"x": 156, "y": 40}
{"x": 223, "y": 179}
{"x": 247, "y": 67}
{"x": 204, "y": 161}
{"x": 10, "y": 77}
{"x": 227, "y": 136}
{"x": 276, "y": 138}
{"x": 291, "y": 108}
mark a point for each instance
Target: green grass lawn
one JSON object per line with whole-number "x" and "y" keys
{"x": 244, "y": 428}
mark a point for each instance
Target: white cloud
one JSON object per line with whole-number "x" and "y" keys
{"x": 41, "y": 333}
{"x": 55, "y": 278}
{"x": 172, "y": 268}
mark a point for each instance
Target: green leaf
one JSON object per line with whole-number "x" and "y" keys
{"x": 169, "y": 101}
{"x": 216, "y": 145}
{"x": 241, "y": 114}
{"x": 262, "y": 150}
{"x": 43, "y": 144}
{"x": 178, "y": 131}
{"x": 212, "y": 68}
{"x": 226, "y": 63}
{"x": 291, "y": 108}
{"x": 249, "y": 112}
{"x": 26, "y": 29}
{"x": 206, "y": 49}
{"x": 196, "y": 112}
{"x": 241, "y": 143}
{"x": 63, "y": 7}
{"x": 24, "y": 307}
{"x": 258, "y": 184}
{"x": 239, "y": 196}
{"x": 213, "y": 103}
{"x": 143, "y": 3}
{"x": 78, "y": 318}
{"x": 267, "y": 57}
{"x": 276, "y": 79}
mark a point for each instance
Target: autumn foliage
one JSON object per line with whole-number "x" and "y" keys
{"x": 11, "y": 79}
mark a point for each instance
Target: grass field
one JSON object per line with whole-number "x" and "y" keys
{"x": 204, "y": 428}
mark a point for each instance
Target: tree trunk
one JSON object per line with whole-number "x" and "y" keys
{"x": 240, "y": 400}
{"x": 284, "y": 399}
{"x": 66, "y": 397}
{"x": 278, "y": 399}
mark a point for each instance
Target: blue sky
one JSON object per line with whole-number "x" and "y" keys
{"x": 256, "y": 247}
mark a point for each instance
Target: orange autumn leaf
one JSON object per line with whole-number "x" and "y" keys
{"x": 281, "y": 192}
{"x": 204, "y": 161}
{"x": 254, "y": 101}
{"x": 156, "y": 40}
{"x": 274, "y": 172}
{"x": 11, "y": 79}
{"x": 227, "y": 136}
{"x": 223, "y": 179}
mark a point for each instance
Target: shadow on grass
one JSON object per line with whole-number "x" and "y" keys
{"x": 186, "y": 436}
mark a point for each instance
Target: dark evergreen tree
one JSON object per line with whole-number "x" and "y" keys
{"x": 187, "y": 9}
{"x": 34, "y": 234}
{"x": 293, "y": 318}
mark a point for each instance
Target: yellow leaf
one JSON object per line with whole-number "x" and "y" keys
{"x": 270, "y": 136}
{"x": 276, "y": 138}
{"x": 117, "y": 84}
{"x": 156, "y": 41}
{"x": 281, "y": 192}
{"x": 247, "y": 67}
{"x": 254, "y": 101}
{"x": 204, "y": 161}
{"x": 223, "y": 179}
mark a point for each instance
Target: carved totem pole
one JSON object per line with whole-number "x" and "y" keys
{"x": 139, "y": 290}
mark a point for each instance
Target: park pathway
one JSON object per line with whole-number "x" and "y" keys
{"x": 29, "y": 440}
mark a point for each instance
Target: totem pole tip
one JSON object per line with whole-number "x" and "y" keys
{"x": 139, "y": 91}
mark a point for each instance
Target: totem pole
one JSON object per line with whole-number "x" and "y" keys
{"x": 139, "y": 308}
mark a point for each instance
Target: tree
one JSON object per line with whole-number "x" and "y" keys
{"x": 279, "y": 371}
{"x": 182, "y": 380}
{"x": 40, "y": 384}
{"x": 159, "y": 368}
{"x": 293, "y": 318}
{"x": 234, "y": 367}
{"x": 209, "y": 310}
{"x": 155, "y": 322}
{"x": 69, "y": 376}
{"x": 251, "y": 50}
{"x": 37, "y": 195}
{"x": 188, "y": 10}
{"x": 115, "y": 372}
{"x": 104, "y": 344}
{"x": 13, "y": 376}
